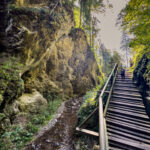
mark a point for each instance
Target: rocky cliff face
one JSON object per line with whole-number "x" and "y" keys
{"x": 41, "y": 55}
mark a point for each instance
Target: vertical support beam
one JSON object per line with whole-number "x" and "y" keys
{"x": 106, "y": 137}
{"x": 101, "y": 125}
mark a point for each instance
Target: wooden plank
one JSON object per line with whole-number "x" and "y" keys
{"x": 127, "y": 86}
{"x": 128, "y": 101}
{"x": 129, "y": 121}
{"x": 127, "y": 135}
{"x": 127, "y": 89}
{"x": 125, "y": 97}
{"x": 127, "y": 94}
{"x": 129, "y": 105}
{"x": 125, "y": 82}
{"x": 129, "y": 126}
{"x": 144, "y": 117}
{"x": 130, "y": 118}
{"x": 137, "y": 102}
{"x": 129, "y": 110}
{"x": 127, "y": 78}
{"x": 125, "y": 138}
{"x": 114, "y": 148}
{"x": 118, "y": 146}
{"x": 137, "y": 145}
{"x": 96, "y": 147}
{"x": 128, "y": 131}
{"x": 87, "y": 132}
{"x": 126, "y": 107}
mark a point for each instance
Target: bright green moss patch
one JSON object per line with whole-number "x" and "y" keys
{"x": 12, "y": 85}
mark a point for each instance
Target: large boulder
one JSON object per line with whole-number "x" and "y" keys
{"x": 32, "y": 103}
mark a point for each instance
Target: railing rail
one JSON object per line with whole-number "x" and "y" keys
{"x": 103, "y": 140}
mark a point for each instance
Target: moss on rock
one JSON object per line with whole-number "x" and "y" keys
{"x": 12, "y": 86}
{"x": 32, "y": 103}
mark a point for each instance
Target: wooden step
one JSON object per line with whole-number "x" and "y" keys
{"x": 113, "y": 148}
{"x": 129, "y": 110}
{"x": 129, "y": 121}
{"x": 144, "y": 122}
{"x": 127, "y": 94}
{"x": 126, "y": 89}
{"x": 132, "y": 132}
{"x": 126, "y": 104}
{"x": 124, "y": 82}
{"x": 127, "y": 97}
{"x": 124, "y": 85}
{"x": 127, "y": 78}
{"x": 127, "y": 100}
{"x": 118, "y": 145}
{"x": 129, "y": 126}
{"x": 132, "y": 93}
{"x": 127, "y": 107}
{"x": 125, "y": 113}
{"x": 127, "y": 135}
{"x": 130, "y": 144}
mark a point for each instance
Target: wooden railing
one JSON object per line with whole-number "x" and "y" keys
{"x": 102, "y": 108}
{"x": 103, "y": 139}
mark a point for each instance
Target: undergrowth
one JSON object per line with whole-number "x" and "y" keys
{"x": 90, "y": 102}
{"x": 18, "y": 136}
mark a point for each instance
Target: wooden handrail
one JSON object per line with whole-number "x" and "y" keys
{"x": 103, "y": 140}
{"x": 110, "y": 93}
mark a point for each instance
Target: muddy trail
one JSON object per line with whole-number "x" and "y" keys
{"x": 58, "y": 133}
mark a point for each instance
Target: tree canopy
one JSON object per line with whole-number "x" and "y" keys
{"x": 136, "y": 21}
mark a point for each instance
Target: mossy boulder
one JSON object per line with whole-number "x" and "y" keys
{"x": 32, "y": 103}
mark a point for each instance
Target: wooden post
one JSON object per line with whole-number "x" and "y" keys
{"x": 101, "y": 125}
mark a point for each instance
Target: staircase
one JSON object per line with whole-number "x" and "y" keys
{"x": 128, "y": 126}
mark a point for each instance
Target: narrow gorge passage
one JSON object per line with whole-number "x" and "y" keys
{"x": 58, "y": 64}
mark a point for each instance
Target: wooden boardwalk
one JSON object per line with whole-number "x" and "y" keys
{"x": 123, "y": 122}
{"x": 128, "y": 126}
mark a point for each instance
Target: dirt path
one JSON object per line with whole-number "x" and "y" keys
{"x": 57, "y": 135}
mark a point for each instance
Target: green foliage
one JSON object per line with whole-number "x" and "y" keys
{"x": 86, "y": 8}
{"x": 36, "y": 10}
{"x": 17, "y": 136}
{"x": 77, "y": 17}
{"x": 136, "y": 20}
{"x": 11, "y": 85}
{"x": 116, "y": 58}
{"x": 90, "y": 102}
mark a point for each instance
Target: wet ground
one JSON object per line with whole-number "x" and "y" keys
{"x": 58, "y": 134}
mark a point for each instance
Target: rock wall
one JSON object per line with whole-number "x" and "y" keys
{"x": 41, "y": 55}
